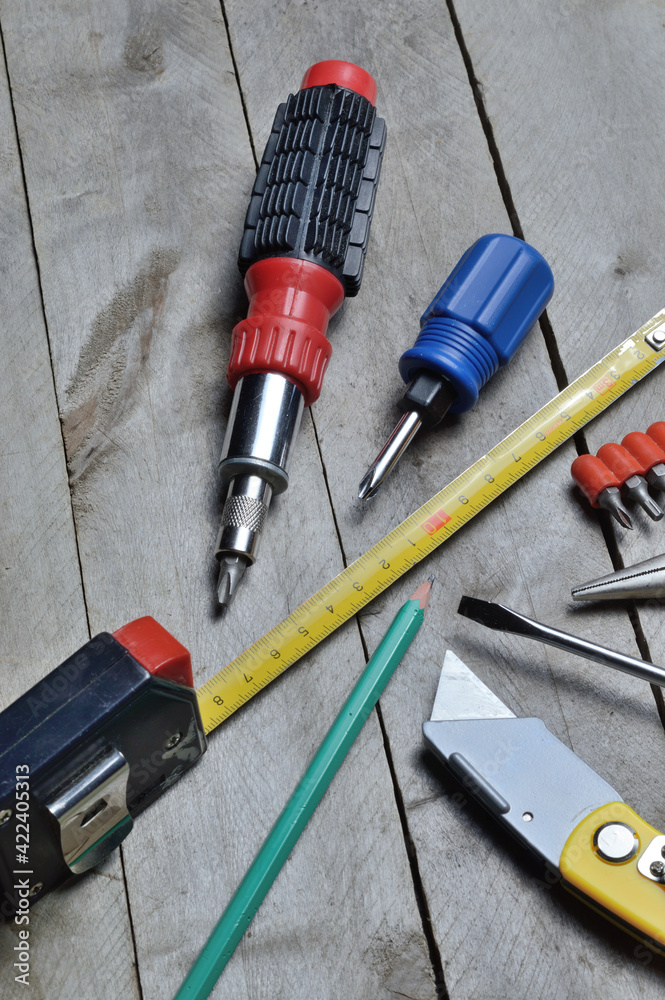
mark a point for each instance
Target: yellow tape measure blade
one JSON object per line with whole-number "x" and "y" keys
{"x": 431, "y": 525}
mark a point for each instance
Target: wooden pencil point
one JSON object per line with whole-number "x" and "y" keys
{"x": 423, "y": 592}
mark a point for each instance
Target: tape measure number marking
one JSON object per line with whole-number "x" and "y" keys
{"x": 434, "y": 522}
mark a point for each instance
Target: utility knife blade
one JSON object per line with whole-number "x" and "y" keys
{"x": 552, "y": 801}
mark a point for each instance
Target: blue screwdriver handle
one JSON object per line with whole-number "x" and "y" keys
{"x": 480, "y": 316}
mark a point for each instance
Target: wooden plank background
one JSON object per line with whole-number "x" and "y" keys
{"x": 128, "y": 137}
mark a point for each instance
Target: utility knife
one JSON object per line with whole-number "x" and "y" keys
{"x": 553, "y": 802}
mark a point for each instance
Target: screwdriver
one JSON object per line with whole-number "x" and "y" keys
{"x": 302, "y": 253}
{"x": 630, "y": 472}
{"x": 471, "y": 328}
{"x": 600, "y": 486}
{"x": 503, "y": 619}
{"x": 648, "y": 450}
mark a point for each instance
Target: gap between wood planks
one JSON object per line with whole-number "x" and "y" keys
{"x": 418, "y": 888}
{"x": 549, "y": 336}
{"x": 64, "y": 451}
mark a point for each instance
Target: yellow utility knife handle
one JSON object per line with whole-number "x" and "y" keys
{"x": 618, "y": 886}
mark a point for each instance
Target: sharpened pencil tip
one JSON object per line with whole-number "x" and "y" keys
{"x": 423, "y": 592}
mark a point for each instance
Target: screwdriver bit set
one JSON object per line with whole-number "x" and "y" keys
{"x": 625, "y": 471}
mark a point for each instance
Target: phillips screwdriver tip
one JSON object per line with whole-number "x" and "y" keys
{"x": 393, "y": 449}
{"x": 369, "y": 484}
{"x": 610, "y": 499}
{"x": 623, "y": 518}
{"x": 231, "y": 569}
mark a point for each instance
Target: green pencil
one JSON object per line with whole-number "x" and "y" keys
{"x": 282, "y": 838}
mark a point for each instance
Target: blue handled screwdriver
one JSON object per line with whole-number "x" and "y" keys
{"x": 471, "y": 328}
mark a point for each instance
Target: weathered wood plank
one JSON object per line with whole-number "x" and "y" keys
{"x": 498, "y": 932}
{"x": 43, "y": 612}
{"x": 138, "y": 167}
{"x": 589, "y": 186}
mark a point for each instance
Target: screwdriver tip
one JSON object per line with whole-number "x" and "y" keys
{"x": 369, "y": 484}
{"x": 622, "y": 517}
{"x": 652, "y": 509}
{"x": 387, "y": 458}
{"x": 231, "y": 569}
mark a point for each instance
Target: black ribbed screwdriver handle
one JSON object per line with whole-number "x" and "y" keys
{"x": 314, "y": 193}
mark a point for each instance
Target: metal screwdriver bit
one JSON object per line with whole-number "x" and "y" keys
{"x": 392, "y": 451}
{"x": 610, "y": 499}
{"x": 502, "y": 619}
{"x": 637, "y": 489}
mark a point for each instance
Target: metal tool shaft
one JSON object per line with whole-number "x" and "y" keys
{"x": 637, "y": 489}
{"x": 501, "y": 619}
{"x": 390, "y": 454}
{"x": 262, "y": 429}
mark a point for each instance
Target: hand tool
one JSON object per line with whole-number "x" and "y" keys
{"x": 551, "y": 801}
{"x": 646, "y": 450}
{"x": 630, "y": 472}
{"x": 302, "y": 252}
{"x": 296, "y": 814}
{"x": 600, "y": 486}
{"x": 502, "y": 619}
{"x": 471, "y": 328}
{"x": 87, "y": 749}
{"x": 644, "y": 579}
{"x": 433, "y": 523}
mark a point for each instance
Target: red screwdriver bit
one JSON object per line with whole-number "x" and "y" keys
{"x": 645, "y": 449}
{"x": 600, "y": 486}
{"x": 657, "y": 433}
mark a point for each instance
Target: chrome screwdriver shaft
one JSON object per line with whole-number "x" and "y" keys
{"x": 392, "y": 451}
{"x": 262, "y": 429}
{"x": 502, "y": 619}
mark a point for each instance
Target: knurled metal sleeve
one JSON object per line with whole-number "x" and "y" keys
{"x": 244, "y": 512}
